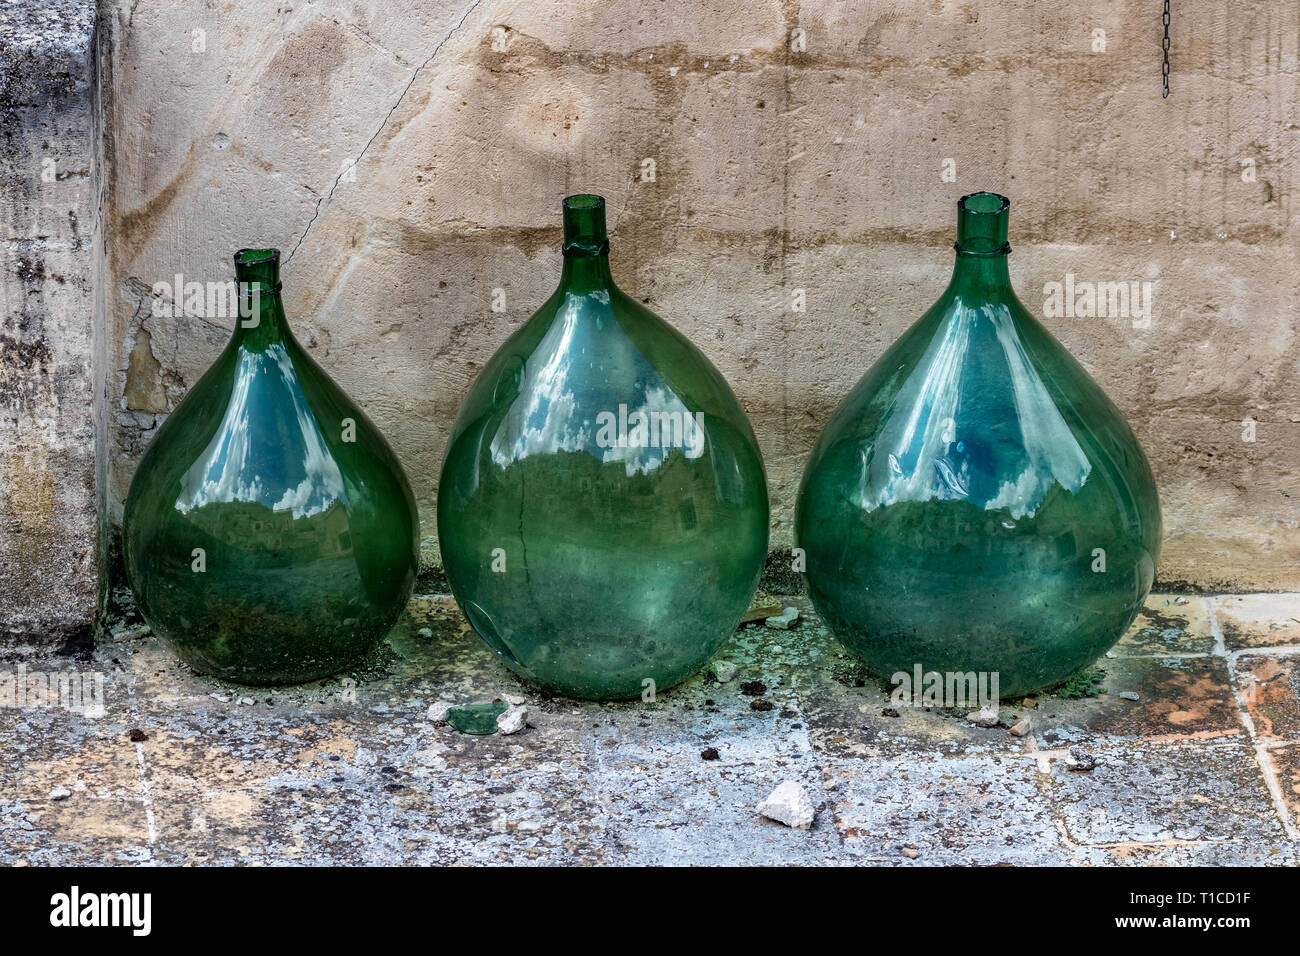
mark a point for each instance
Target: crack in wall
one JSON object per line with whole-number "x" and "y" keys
{"x": 382, "y": 126}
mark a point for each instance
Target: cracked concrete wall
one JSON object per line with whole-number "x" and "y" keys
{"x": 409, "y": 158}
{"x": 50, "y": 399}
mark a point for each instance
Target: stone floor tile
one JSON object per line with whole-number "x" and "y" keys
{"x": 1176, "y": 698}
{"x": 1152, "y": 793}
{"x": 1223, "y": 853}
{"x": 1258, "y": 620}
{"x": 1165, "y": 627}
{"x": 953, "y": 810}
{"x": 1270, "y": 686}
{"x": 1285, "y": 764}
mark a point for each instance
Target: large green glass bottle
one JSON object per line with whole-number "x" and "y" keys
{"x": 602, "y": 509}
{"x": 270, "y": 533}
{"x": 977, "y": 503}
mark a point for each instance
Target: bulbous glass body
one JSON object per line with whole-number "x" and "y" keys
{"x": 977, "y": 503}
{"x": 602, "y": 509}
{"x": 270, "y": 534}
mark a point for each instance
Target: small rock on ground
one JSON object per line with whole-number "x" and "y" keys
{"x": 911, "y": 852}
{"x": 785, "y": 620}
{"x": 1129, "y": 695}
{"x": 1019, "y": 728}
{"x": 723, "y": 671}
{"x": 60, "y": 793}
{"x": 437, "y": 712}
{"x": 513, "y": 720}
{"x": 1080, "y": 760}
{"x": 789, "y": 804}
{"x": 986, "y": 716}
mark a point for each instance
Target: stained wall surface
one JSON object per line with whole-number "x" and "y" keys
{"x": 52, "y": 343}
{"x": 409, "y": 158}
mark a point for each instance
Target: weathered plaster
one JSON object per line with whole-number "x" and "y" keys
{"x": 411, "y": 162}
{"x": 48, "y": 369}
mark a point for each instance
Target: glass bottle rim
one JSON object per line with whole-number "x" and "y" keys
{"x": 982, "y": 206}
{"x": 266, "y": 260}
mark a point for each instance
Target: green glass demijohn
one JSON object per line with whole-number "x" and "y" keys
{"x": 270, "y": 534}
{"x": 602, "y": 509}
{"x": 977, "y": 504}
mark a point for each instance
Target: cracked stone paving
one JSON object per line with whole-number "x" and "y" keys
{"x": 1194, "y": 729}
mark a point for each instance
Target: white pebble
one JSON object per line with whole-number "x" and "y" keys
{"x": 437, "y": 712}
{"x": 513, "y": 720}
{"x": 789, "y": 804}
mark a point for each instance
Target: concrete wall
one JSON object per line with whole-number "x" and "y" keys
{"x": 410, "y": 157}
{"x": 50, "y": 393}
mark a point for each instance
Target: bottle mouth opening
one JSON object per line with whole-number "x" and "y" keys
{"x": 249, "y": 257}
{"x": 259, "y": 267}
{"x": 584, "y": 225}
{"x": 983, "y": 204}
{"x": 982, "y": 225}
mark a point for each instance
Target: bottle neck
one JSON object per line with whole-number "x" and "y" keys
{"x": 260, "y": 321}
{"x": 583, "y": 273}
{"x": 982, "y": 247}
{"x": 586, "y": 245}
{"x": 984, "y": 274}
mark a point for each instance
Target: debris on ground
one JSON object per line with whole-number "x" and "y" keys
{"x": 514, "y": 700}
{"x": 1029, "y": 702}
{"x": 753, "y": 688}
{"x": 1080, "y": 760}
{"x": 785, "y": 620}
{"x": 137, "y": 735}
{"x": 911, "y": 852}
{"x": 437, "y": 712}
{"x": 130, "y": 632}
{"x": 789, "y": 804}
{"x": 889, "y": 712}
{"x": 762, "y": 607}
{"x": 709, "y": 753}
{"x": 425, "y": 632}
{"x": 1129, "y": 695}
{"x": 1019, "y": 728}
{"x": 477, "y": 720}
{"x": 986, "y": 716}
{"x": 723, "y": 671}
{"x": 1181, "y": 600}
{"x": 513, "y": 720}
{"x": 60, "y": 793}
{"x": 760, "y": 704}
